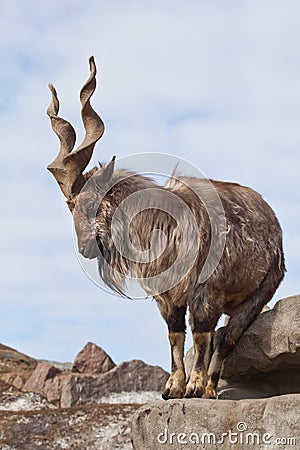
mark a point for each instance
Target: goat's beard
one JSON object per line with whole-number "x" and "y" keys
{"x": 99, "y": 246}
{"x": 111, "y": 266}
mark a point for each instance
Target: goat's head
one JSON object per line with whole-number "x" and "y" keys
{"x": 68, "y": 166}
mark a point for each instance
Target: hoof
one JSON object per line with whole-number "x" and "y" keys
{"x": 195, "y": 386}
{"x": 165, "y": 395}
{"x": 168, "y": 394}
{"x": 175, "y": 387}
{"x": 210, "y": 393}
{"x": 193, "y": 391}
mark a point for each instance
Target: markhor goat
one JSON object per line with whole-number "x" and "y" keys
{"x": 209, "y": 246}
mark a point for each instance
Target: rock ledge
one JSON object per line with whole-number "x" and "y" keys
{"x": 218, "y": 424}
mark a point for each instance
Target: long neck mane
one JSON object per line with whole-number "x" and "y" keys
{"x": 129, "y": 237}
{"x": 113, "y": 265}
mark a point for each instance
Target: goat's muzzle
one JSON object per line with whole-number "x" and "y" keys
{"x": 90, "y": 249}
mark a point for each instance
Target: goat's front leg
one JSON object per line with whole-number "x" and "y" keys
{"x": 175, "y": 386}
{"x": 203, "y": 321}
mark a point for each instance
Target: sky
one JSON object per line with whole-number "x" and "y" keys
{"x": 216, "y": 83}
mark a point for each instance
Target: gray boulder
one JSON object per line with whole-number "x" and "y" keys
{"x": 271, "y": 343}
{"x": 227, "y": 424}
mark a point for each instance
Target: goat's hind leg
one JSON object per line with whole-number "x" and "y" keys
{"x": 175, "y": 386}
{"x": 243, "y": 316}
{"x": 197, "y": 377}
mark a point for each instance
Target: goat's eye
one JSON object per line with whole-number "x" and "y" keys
{"x": 90, "y": 206}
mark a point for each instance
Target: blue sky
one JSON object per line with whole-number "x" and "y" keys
{"x": 213, "y": 82}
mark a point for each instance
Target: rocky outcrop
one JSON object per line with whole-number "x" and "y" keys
{"x": 32, "y": 393}
{"x": 15, "y": 367}
{"x": 97, "y": 380}
{"x": 132, "y": 376}
{"x": 43, "y": 372}
{"x": 266, "y": 359}
{"x": 227, "y": 424}
{"x": 12, "y": 359}
{"x": 71, "y": 389}
{"x": 92, "y": 359}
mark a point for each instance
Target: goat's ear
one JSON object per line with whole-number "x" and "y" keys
{"x": 108, "y": 171}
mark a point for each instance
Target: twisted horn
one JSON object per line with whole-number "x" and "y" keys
{"x": 67, "y": 136}
{"x": 69, "y": 165}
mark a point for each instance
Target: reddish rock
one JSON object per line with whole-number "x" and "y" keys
{"x": 92, "y": 359}
{"x": 18, "y": 382}
{"x": 53, "y": 386}
{"x": 40, "y": 375}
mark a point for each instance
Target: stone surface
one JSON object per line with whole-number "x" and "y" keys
{"x": 43, "y": 372}
{"x": 135, "y": 375}
{"x": 215, "y": 424}
{"x": 271, "y": 343}
{"x": 266, "y": 359}
{"x": 53, "y": 387}
{"x": 15, "y": 367}
{"x": 18, "y": 382}
{"x": 11, "y": 359}
{"x": 92, "y": 359}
